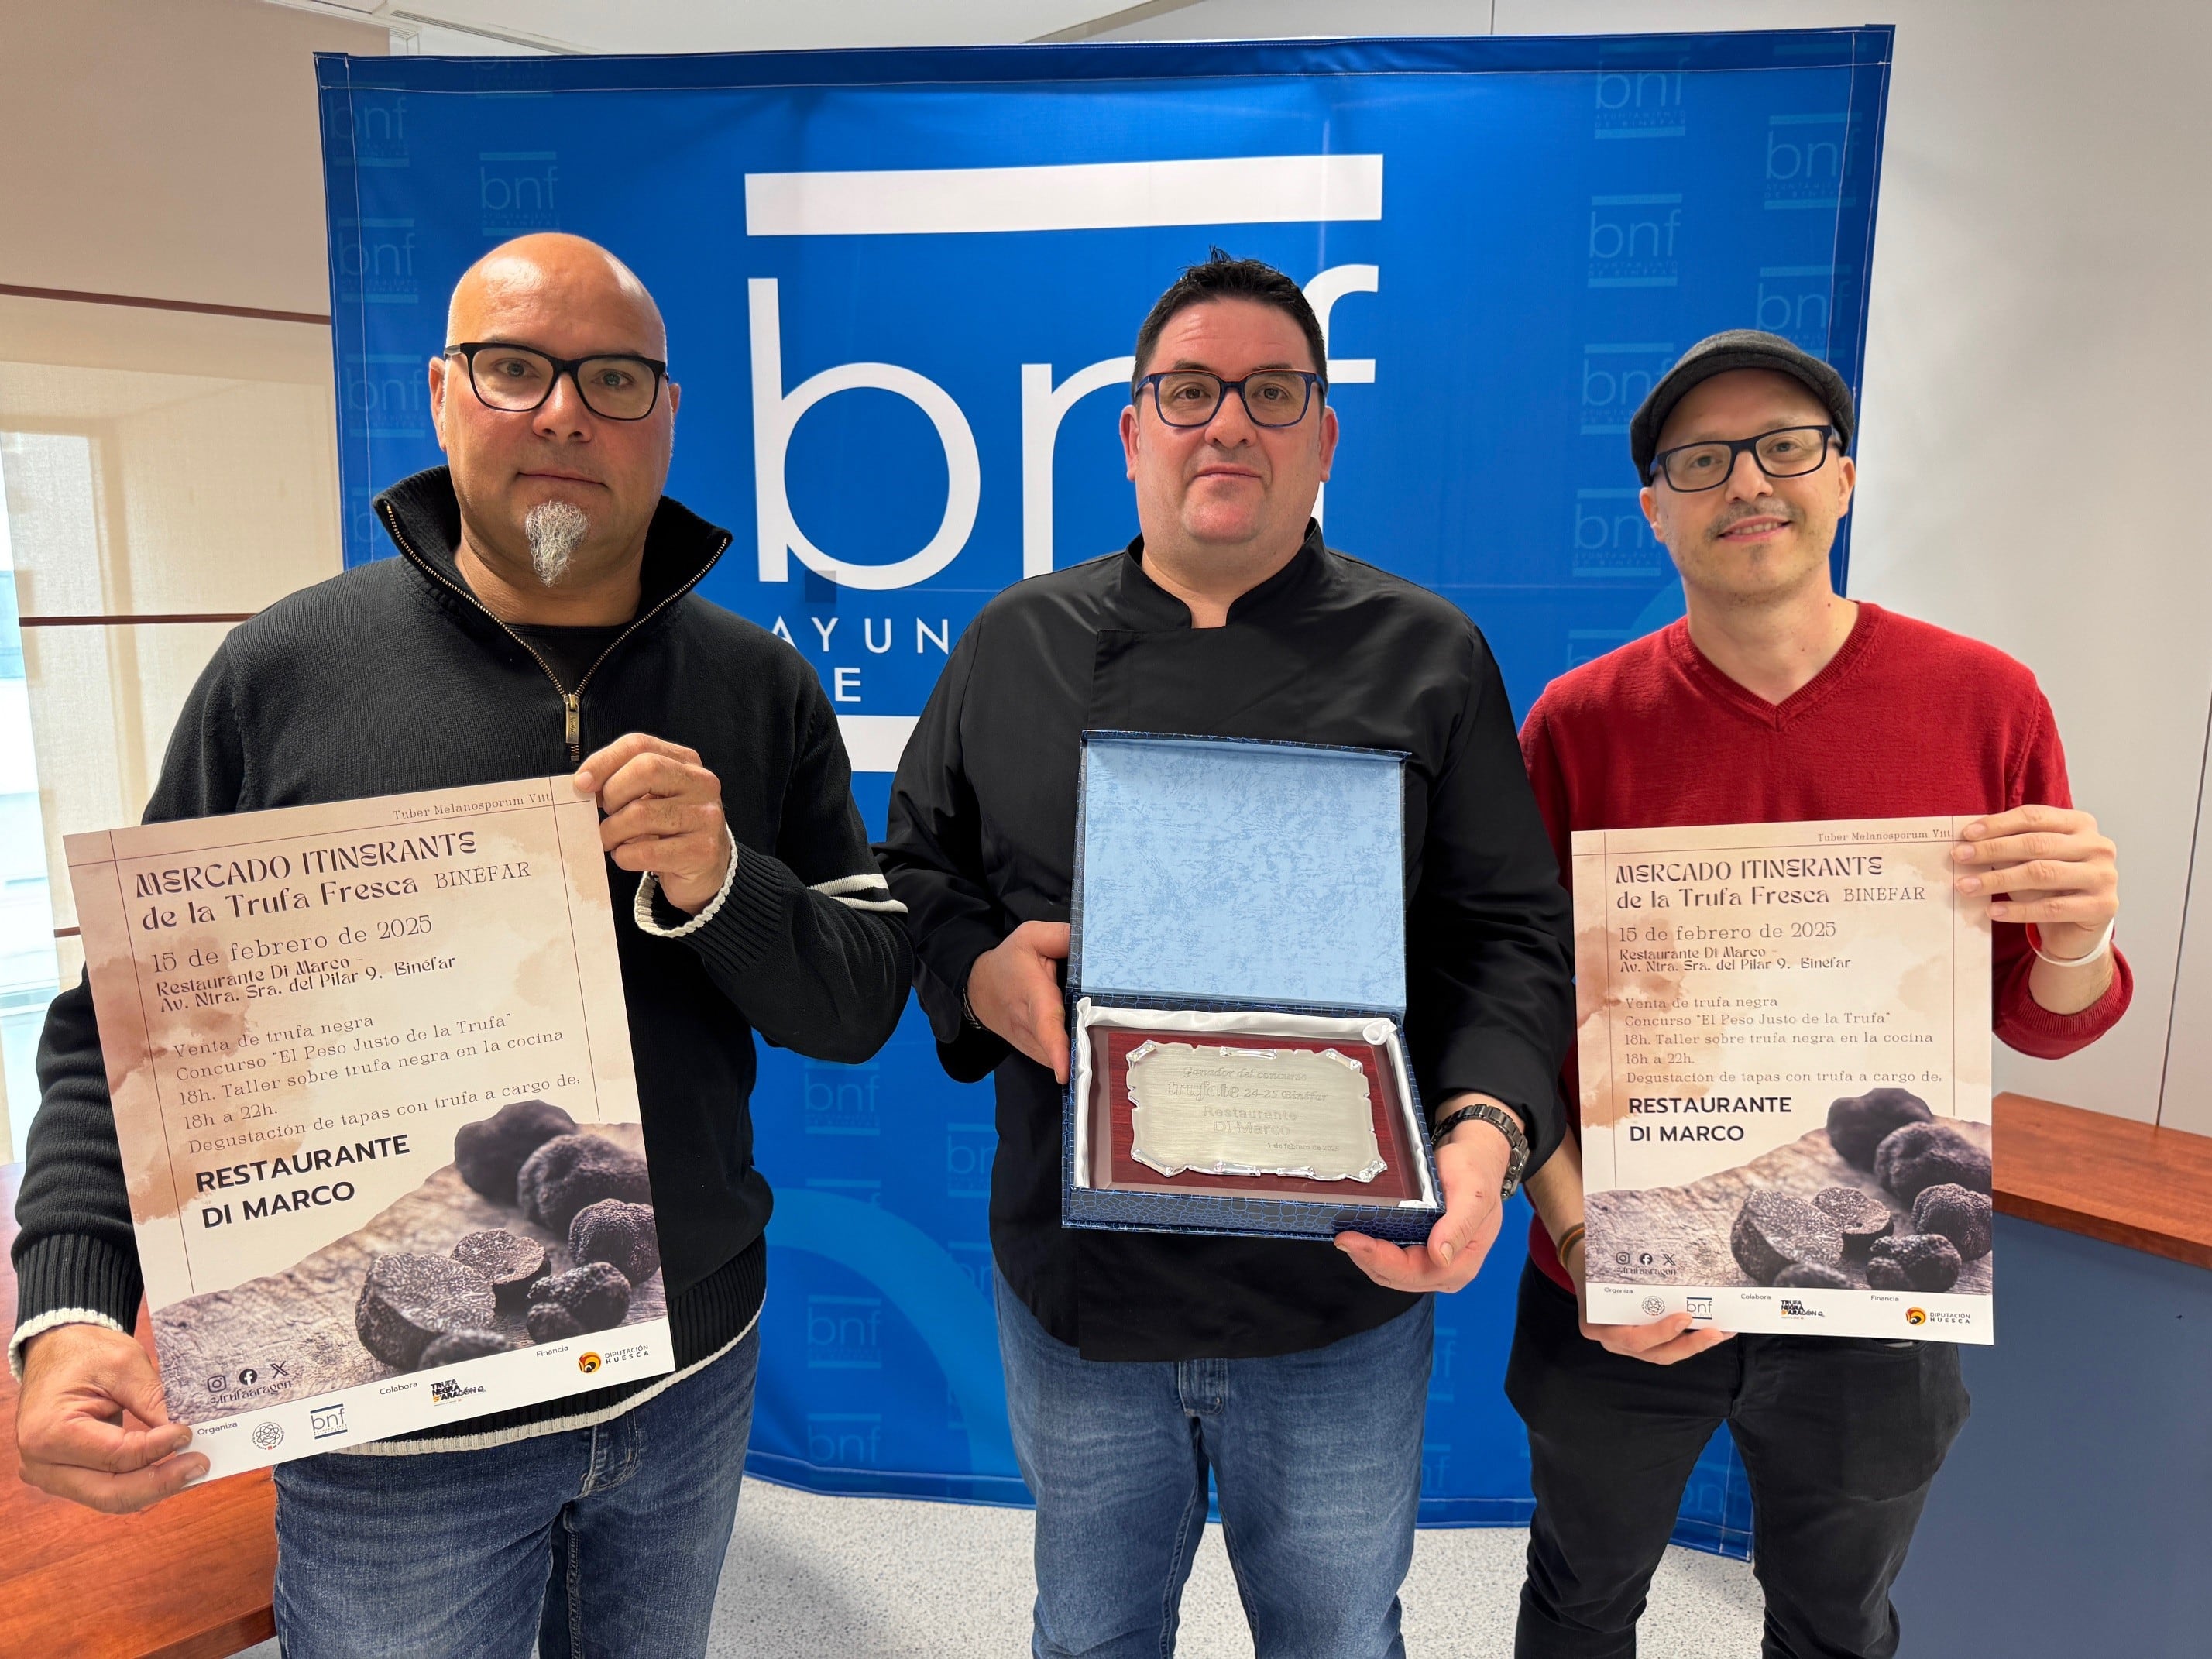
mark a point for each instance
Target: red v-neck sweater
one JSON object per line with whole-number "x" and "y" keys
{"x": 1907, "y": 721}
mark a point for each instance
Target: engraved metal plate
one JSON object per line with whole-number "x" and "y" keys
{"x": 1226, "y": 1111}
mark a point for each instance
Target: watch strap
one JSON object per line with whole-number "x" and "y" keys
{"x": 1501, "y": 1120}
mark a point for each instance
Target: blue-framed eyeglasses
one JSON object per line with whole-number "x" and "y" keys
{"x": 1192, "y": 397}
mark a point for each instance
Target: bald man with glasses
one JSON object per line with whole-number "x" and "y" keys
{"x": 539, "y": 618}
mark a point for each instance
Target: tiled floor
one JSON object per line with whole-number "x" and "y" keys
{"x": 872, "y": 1578}
{"x": 934, "y": 1583}
{"x": 811, "y": 1575}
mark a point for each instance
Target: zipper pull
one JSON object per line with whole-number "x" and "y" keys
{"x": 575, "y": 729}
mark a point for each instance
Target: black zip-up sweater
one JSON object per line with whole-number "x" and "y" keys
{"x": 393, "y": 677}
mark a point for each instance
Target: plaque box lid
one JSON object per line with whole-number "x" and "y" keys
{"x": 1232, "y": 870}
{"x": 1222, "y": 875}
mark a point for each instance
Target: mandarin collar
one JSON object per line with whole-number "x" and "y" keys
{"x": 1152, "y": 608}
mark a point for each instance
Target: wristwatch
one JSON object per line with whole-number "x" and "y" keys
{"x": 1501, "y": 1120}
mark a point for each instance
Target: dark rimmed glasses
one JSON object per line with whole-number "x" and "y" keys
{"x": 1788, "y": 452}
{"x": 520, "y": 378}
{"x": 1192, "y": 397}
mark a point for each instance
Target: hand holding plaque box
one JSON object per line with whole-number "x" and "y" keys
{"x": 372, "y": 1086}
{"x": 1784, "y": 1047}
{"x": 1237, "y": 983}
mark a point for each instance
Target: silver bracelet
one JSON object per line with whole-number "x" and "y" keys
{"x": 2104, "y": 944}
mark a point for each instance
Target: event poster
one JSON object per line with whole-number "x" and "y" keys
{"x": 373, "y": 1084}
{"x": 1784, "y": 1047}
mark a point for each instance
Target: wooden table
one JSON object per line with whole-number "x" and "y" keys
{"x": 2106, "y": 1177}
{"x": 188, "y": 1579}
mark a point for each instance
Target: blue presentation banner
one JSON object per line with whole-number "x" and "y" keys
{"x": 901, "y": 288}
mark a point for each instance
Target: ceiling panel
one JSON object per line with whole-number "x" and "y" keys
{"x": 662, "y": 26}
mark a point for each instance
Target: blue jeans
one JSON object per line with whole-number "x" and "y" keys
{"x": 1315, "y": 1458}
{"x": 605, "y": 1541}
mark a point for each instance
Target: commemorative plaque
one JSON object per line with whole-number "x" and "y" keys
{"x": 1224, "y": 1110}
{"x": 1239, "y": 1063}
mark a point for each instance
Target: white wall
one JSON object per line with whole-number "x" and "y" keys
{"x": 2035, "y": 430}
{"x": 166, "y": 148}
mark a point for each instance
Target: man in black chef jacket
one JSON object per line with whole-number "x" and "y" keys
{"x": 1294, "y": 1372}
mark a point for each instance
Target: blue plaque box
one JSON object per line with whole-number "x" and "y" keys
{"x": 1252, "y": 888}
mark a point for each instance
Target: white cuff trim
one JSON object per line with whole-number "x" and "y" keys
{"x": 649, "y": 884}
{"x": 47, "y": 1321}
{"x": 845, "y": 885}
{"x": 845, "y": 889}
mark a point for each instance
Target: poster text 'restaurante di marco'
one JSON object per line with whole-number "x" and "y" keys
{"x": 1721, "y": 883}
{"x": 324, "y": 875}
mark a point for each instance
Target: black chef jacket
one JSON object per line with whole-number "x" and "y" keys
{"x": 981, "y": 838}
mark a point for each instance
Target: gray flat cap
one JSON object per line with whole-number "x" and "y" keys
{"x": 1716, "y": 354}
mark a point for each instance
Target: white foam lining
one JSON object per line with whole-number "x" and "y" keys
{"x": 1257, "y": 1022}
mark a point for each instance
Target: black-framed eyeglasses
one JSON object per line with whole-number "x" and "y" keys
{"x": 1788, "y": 452}
{"x": 1192, "y": 397}
{"x": 520, "y": 378}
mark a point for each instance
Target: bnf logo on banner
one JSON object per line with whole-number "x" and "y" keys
{"x": 907, "y": 628}
{"x": 902, "y": 289}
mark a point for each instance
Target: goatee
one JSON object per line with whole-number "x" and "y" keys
{"x": 555, "y": 529}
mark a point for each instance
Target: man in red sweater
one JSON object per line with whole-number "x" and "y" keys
{"x": 1777, "y": 700}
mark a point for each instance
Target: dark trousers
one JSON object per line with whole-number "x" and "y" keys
{"x": 1840, "y": 1438}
